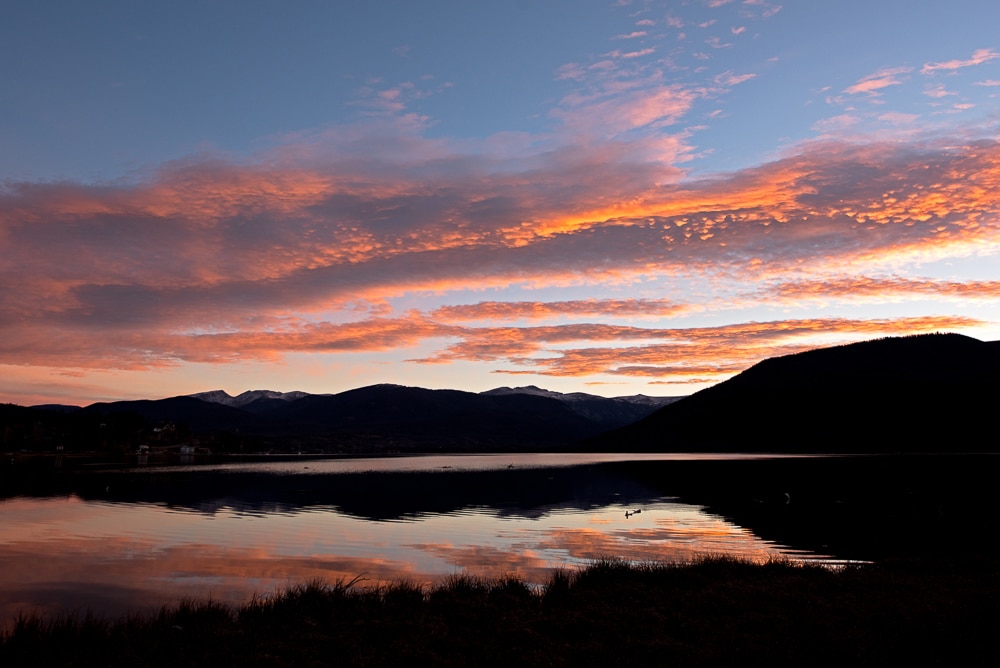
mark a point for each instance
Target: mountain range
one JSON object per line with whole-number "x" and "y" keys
{"x": 395, "y": 418}
{"x": 926, "y": 393}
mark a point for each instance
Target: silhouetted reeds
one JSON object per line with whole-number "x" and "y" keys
{"x": 717, "y": 611}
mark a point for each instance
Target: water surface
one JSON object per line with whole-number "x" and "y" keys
{"x": 140, "y": 538}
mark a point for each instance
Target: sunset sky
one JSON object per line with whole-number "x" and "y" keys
{"x": 598, "y": 196}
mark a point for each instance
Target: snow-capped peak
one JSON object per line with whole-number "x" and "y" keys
{"x": 223, "y": 397}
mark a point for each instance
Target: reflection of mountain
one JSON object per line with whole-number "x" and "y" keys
{"x": 930, "y": 393}
{"x": 378, "y": 496}
{"x": 866, "y": 507}
{"x": 851, "y": 507}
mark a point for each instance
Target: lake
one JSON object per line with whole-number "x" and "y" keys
{"x": 111, "y": 540}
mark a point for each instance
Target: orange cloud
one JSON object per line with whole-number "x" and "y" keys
{"x": 868, "y": 287}
{"x": 128, "y": 574}
{"x": 668, "y": 544}
{"x": 701, "y": 352}
{"x": 542, "y": 310}
{"x": 392, "y": 229}
{"x": 215, "y": 261}
{"x": 489, "y": 561}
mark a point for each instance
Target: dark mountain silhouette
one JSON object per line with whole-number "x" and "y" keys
{"x": 397, "y": 417}
{"x": 607, "y": 413}
{"x": 197, "y": 414}
{"x": 926, "y": 393}
{"x": 58, "y": 408}
{"x": 386, "y": 418}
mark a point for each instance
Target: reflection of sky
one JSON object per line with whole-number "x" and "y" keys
{"x": 61, "y": 553}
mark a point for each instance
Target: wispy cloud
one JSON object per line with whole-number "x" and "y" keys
{"x": 728, "y": 78}
{"x": 615, "y": 109}
{"x": 875, "y": 82}
{"x": 836, "y": 124}
{"x": 937, "y": 91}
{"x": 631, "y": 54}
{"x": 881, "y": 288}
{"x": 898, "y": 118}
{"x": 632, "y": 35}
{"x": 767, "y": 9}
{"x": 714, "y": 352}
{"x": 979, "y": 56}
{"x": 580, "y": 308}
{"x": 717, "y": 43}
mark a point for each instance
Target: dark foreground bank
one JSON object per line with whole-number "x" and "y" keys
{"x": 716, "y": 612}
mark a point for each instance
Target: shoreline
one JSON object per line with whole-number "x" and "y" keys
{"x": 716, "y": 611}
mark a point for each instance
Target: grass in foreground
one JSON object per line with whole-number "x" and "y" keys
{"x": 718, "y": 611}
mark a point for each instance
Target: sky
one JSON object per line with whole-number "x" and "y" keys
{"x": 632, "y": 197}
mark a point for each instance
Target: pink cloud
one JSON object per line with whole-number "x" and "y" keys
{"x": 873, "y": 83}
{"x": 717, "y": 43}
{"x": 375, "y": 100}
{"x": 631, "y": 54}
{"x": 617, "y": 109}
{"x": 898, "y": 118}
{"x": 937, "y": 91}
{"x": 727, "y": 78}
{"x": 836, "y": 123}
{"x": 632, "y": 35}
{"x": 979, "y": 56}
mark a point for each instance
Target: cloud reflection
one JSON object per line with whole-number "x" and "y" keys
{"x": 113, "y": 559}
{"x": 113, "y": 575}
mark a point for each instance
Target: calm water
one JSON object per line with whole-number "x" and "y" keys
{"x": 124, "y": 540}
